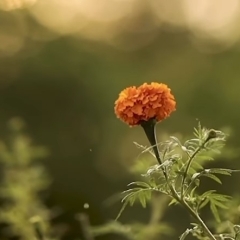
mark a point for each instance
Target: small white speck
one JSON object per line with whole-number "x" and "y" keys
{"x": 85, "y": 205}
{"x": 90, "y": 150}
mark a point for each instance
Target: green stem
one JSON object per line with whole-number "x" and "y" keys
{"x": 198, "y": 219}
{"x": 149, "y": 128}
{"x": 186, "y": 190}
{"x": 188, "y": 166}
{"x": 193, "y": 214}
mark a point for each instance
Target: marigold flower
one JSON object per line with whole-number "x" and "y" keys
{"x": 148, "y": 101}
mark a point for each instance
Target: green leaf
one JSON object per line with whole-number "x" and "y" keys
{"x": 215, "y": 212}
{"x": 128, "y": 196}
{"x": 213, "y": 177}
{"x": 221, "y": 197}
{"x": 176, "y": 140}
{"x": 140, "y": 184}
{"x": 121, "y": 210}
{"x": 204, "y": 203}
{"x": 222, "y": 171}
{"x": 204, "y": 158}
{"x": 197, "y": 182}
{"x": 132, "y": 199}
{"x": 191, "y": 171}
{"x": 209, "y": 173}
{"x": 216, "y": 200}
{"x": 219, "y": 171}
{"x": 184, "y": 235}
{"x": 195, "y": 175}
{"x": 206, "y": 194}
{"x": 141, "y": 194}
{"x": 173, "y": 201}
{"x": 142, "y": 200}
{"x": 192, "y": 144}
{"x": 143, "y": 197}
{"x": 193, "y": 190}
{"x": 219, "y": 204}
{"x": 198, "y": 130}
{"x": 196, "y": 165}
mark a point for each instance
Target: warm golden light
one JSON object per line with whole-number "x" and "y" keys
{"x": 132, "y": 24}
{"x": 216, "y": 18}
{"x": 8, "y": 5}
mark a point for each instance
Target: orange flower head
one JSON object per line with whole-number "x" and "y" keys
{"x": 148, "y": 101}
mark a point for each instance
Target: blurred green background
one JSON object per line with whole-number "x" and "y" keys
{"x": 63, "y": 64}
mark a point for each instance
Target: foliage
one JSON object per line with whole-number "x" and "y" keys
{"x": 179, "y": 175}
{"x": 155, "y": 229}
{"x": 174, "y": 180}
{"x": 22, "y": 211}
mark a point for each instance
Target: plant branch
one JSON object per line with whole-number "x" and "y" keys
{"x": 193, "y": 214}
{"x": 189, "y": 164}
{"x": 150, "y": 130}
{"x": 197, "y": 218}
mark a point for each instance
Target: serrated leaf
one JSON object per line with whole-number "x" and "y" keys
{"x": 221, "y": 197}
{"x": 208, "y": 193}
{"x": 128, "y": 196}
{"x": 130, "y": 190}
{"x": 223, "y": 171}
{"x": 191, "y": 144}
{"x": 121, "y": 210}
{"x": 176, "y": 140}
{"x": 219, "y": 204}
{"x": 140, "y": 194}
{"x": 132, "y": 199}
{"x": 143, "y": 197}
{"x": 213, "y": 177}
{"x": 213, "y": 150}
{"x": 220, "y": 171}
{"x": 197, "y": 130}
{"x": 196, "y": 165}
{"x": 215, "y": 212}
{"x": 140, "y": 184}
{"x": 204, "y": 203}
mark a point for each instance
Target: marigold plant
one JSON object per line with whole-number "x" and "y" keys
{"x": 180, "y": 166}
